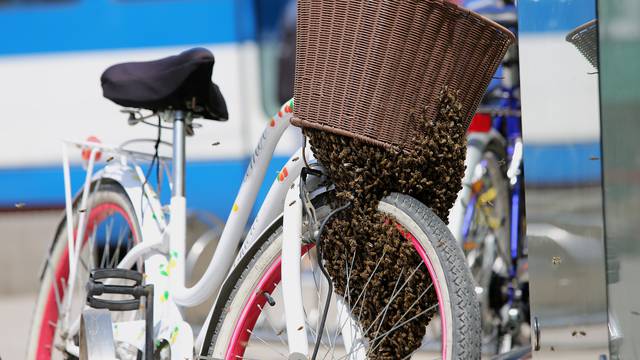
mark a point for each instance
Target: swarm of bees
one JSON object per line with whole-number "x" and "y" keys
{"x": 373, "y": 266}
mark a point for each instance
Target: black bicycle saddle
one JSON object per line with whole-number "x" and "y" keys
{"x": 180, "y": 82}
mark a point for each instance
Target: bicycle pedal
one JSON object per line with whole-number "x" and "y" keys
{"x": 98, "y": 285}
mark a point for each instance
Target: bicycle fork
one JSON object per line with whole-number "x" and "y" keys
{"x": 291, "y": 285}
{"x": 298, "y": 204}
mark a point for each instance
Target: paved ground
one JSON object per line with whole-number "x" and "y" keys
{"x": 25, "y": 238}
{"x": 15, "y": 312}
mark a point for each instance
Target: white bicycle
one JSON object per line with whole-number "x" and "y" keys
{"x": 119, "y": 245}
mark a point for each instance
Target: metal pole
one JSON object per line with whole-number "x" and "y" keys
{"x": 178, "y": 153}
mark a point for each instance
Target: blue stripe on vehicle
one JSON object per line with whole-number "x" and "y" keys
{"x": 553, "y": 15}
{"x": 211, "y": 185}
{"x": 110, "y": 24}
{"x": 562, "y": 164}
{"x": 80, "y": 25}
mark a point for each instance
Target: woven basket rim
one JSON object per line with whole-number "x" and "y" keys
{"x": 296, "y": 121}
{"x": 486, "y": 32}
{"x": 475, "y": 15}
{"x": 578, "y": 31}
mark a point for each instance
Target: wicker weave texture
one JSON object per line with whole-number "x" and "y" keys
{"x": 366, "y": 68}
{"x": 585, "y": 38}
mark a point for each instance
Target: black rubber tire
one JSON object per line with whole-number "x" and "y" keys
{"x": 466, "y": 332}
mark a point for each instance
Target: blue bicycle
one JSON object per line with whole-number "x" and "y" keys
{"x": 488, "y": 217}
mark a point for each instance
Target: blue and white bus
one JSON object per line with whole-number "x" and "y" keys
{"x": 52, "y": 53}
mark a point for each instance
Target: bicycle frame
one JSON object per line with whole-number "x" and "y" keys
{"x": 514, "y": 171}
{"x": 163, "y": 242}
{"x": 510, "y": 124}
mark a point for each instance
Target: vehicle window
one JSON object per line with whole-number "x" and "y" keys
{"x": 275, "y": 28}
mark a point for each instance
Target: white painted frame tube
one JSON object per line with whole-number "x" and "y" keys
{"x": 232, "y": 233}
{"x": 272, "y": 206}
{"x": 291, "y": 286}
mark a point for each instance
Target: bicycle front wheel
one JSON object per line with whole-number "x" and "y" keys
{"x": 248, "y": 319}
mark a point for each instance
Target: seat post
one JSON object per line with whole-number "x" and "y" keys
{"x": 178, "y": 206}
{"x": 178, "y": 153}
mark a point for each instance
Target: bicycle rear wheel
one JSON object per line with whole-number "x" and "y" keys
{"x": 248, "y": 322}
{"x": 111, "y": 230}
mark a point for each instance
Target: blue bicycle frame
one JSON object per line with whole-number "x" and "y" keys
{"x": 506, "y": 122}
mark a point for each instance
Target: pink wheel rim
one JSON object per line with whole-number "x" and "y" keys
{"x": 251, "y": 311}
{"x": 50, "y": 313}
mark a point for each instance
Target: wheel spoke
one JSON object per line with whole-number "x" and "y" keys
{"x": 346, "y": 295}
{"x": 84, "y": 264}
{"x": 92, "y": 248}
{"x": 364, "y": 288}
{"x": 414, "y": 304}
{"x": 116, "y": 254}
{"x": 105, "y": 251}
{"x": 394, "y": 295}
{"x": 319, "y": 300}
{"x": 398, "y": 326}
{"x": 314, "y": 332}
{"x": 386, "y": 308}
{"x": 266, "y": 343}
{"x": 278, "y": 333}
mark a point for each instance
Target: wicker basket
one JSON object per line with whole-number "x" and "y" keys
{"x": 363, "y": 67}
{"x": 585, "y": 39}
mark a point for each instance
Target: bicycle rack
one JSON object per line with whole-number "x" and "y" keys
{"x": 98, "y": 285}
